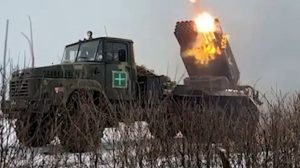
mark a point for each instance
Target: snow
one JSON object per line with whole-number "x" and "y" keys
{"x": 7, "y": 132}
{"x": 124, "y": 146}
{"x": 15, "y": 155}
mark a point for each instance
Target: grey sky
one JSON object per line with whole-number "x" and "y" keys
{"x": 264, "y": 34}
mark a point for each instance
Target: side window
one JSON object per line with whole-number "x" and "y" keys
{"x": 121, "y": 50}
{"x": 116, "y": 51}
{"x": 99, "y": 56}
{"x": 109, "y": 52}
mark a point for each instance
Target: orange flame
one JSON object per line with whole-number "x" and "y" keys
{"x": 193, "y": 1}
{"x": 206, "y": 48}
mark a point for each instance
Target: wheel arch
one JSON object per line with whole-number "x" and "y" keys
{"x": 80, "y": 85}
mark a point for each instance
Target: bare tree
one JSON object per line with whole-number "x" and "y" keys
{"x": 30, "y": 42}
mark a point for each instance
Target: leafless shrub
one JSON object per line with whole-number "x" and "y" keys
{"x": 180, "y": 134}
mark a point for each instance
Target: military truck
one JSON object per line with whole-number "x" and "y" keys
{"x": 96, "y": 74}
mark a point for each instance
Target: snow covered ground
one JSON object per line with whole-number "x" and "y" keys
{"x": 124, "y": 146}
{"x": 116, "y": 143}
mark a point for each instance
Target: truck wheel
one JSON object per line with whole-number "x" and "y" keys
{"x": 34, "y": 130}
{"x": 162, "y": 123}
{"x": 220, "y": 124}
{"x": 162, "y": 129}
{"x": 82, "y": 125}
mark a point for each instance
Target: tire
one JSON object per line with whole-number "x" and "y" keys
{"x": 82, "y": 123}
{"x": 234, "y": 121}
{"x": 34, "y": 130}
{"x": 162, "y": 123}
{"x": 204, "y": 124}
{"x": 162, "y": 130}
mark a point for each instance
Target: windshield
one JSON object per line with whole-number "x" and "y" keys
{"x": 83, "y": 52}
{"x": 70, "y": 53}
{"x": 87, "y": 51}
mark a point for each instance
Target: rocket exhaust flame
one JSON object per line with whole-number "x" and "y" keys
{"x": 205, "y": 23}
{"x": 206, "y": 53}
{"x": 208, "y": 45}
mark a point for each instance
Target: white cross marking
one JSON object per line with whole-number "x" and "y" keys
{"x": 120, "y": 79}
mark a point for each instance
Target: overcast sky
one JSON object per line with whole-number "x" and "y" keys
{"x": 264, "y": 34}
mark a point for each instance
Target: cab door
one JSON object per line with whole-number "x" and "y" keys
{"x": 118, "y": 70}
{"x": 97, "y": 68}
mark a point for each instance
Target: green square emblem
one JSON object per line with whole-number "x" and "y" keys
{"x": 119, "y": 79}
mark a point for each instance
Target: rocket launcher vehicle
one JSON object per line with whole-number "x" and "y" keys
{"x": 206, "y": 53}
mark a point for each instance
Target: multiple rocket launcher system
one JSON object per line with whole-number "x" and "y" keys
{"x": 205, "y": 50}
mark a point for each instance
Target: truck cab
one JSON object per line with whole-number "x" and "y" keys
{"x": 110, "y": 61}
{"x": 94, "y": 76}
{"x": 103, "y": 64}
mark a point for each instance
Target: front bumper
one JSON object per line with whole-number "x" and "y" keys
{"x": 12, "y": 108}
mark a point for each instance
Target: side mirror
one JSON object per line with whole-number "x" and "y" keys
{"x": 122, "y": 55}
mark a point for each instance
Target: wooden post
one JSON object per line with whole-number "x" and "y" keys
{"x": 4, "y": 64}
{"x": 31, "y": 40}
